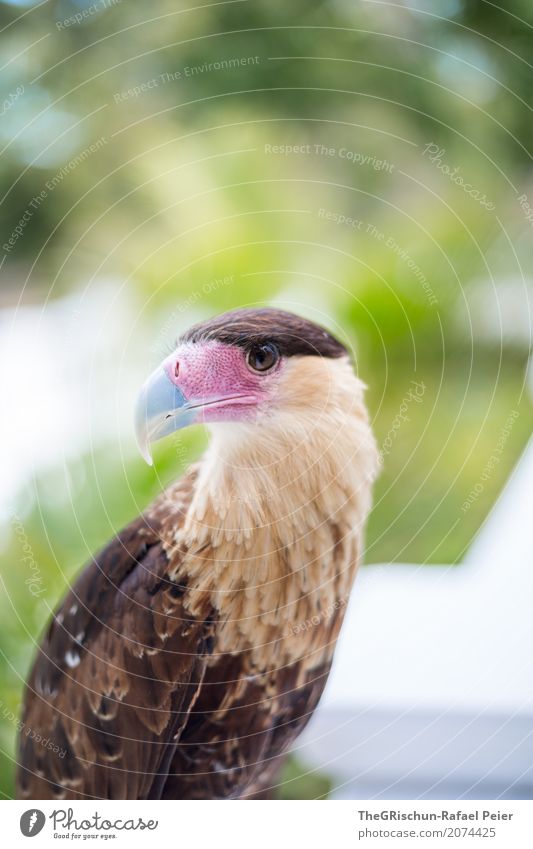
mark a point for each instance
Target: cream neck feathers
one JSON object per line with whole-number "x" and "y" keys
{"x": 274, "y": 530}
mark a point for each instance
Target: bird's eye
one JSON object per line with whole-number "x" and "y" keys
{"x": 263, "y": 357}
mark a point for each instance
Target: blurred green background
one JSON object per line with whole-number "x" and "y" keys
{"x": 365, "y": 163}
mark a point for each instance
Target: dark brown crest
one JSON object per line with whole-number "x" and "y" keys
{"x": 292, "y": 335}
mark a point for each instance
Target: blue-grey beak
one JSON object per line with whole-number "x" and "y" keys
{"x": 161, "y": 409}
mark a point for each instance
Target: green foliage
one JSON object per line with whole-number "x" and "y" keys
{"x": 300, "y": 782}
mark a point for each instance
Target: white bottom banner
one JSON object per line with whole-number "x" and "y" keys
{"x": 260, "y": 824}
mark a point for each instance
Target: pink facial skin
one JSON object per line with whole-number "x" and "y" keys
{"x": 216, "y": 378}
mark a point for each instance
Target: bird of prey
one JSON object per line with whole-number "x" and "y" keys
{"x": 191, "y": 652}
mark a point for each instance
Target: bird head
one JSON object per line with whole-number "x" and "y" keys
{"x": 246, "y": 366}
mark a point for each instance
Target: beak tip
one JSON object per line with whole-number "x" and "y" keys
{"x": 144, "y": 451}
{"x": 147, "y": 459}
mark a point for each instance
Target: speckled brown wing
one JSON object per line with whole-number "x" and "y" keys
{"x": 117, "y": 673}
{"x": 234, "y": 748}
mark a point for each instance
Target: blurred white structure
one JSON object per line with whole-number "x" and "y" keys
{"x": 431, "y": 694}
{"x": 57, "y": 381}
{"x": 70, "y": 371}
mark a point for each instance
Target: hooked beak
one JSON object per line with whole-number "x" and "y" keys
{"x": 161, "y": 409}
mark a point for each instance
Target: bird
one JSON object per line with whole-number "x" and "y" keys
{"x": 191, "y": 652}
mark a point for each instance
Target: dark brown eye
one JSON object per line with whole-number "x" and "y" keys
{"x": 263, "y": 357}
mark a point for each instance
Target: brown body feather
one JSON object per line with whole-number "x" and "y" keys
{"x": 193, "y": 650}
